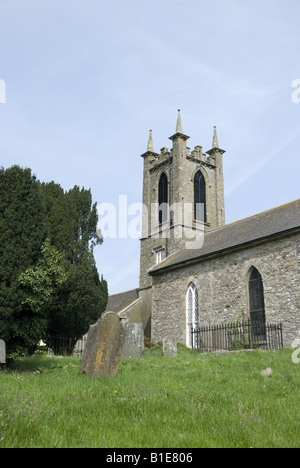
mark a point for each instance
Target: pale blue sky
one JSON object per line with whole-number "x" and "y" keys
{"x": 86, "y": 80}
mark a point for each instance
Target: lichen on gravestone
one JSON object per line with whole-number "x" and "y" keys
{"x": 104, "y": 347}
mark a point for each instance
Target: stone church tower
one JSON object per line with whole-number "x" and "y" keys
{"x": 183, "y": 195}
{"x": 185, "y": 282}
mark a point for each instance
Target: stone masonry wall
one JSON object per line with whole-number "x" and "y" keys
{"x": 222, "y": 285}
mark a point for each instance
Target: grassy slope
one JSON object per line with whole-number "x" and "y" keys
{"x": 190, "y": 401}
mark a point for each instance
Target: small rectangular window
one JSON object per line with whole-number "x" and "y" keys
{"x": 159, "y": 256}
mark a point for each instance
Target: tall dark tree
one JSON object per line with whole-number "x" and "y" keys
{"x": 71, "y": 220}
{"x": 48, "y": 278}
{"x": 22, "y": 219}
{"x": 72, "y": 228}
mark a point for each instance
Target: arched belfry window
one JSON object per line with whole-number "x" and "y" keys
{"x": 163, "y": 199}
{"x": 257, "y": 302}
{"x": 192, "y": 316}
{"x": 200, "y": 197}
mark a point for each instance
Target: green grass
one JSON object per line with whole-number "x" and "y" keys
{"x": 190, "y": 401}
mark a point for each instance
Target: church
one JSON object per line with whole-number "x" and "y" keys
{"x": 195, "y": 269}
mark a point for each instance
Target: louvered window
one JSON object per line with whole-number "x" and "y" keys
{"x": 163, "y": 199}
{"x": 200, "y": 197}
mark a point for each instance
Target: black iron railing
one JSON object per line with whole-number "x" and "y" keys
{"x": 246, "y": 334}
{"x": 64, "y": 346}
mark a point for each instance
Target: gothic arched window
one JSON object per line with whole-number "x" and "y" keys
{"x": 200, "y": 197}
{"x": 163, "y": 199}
{"x": 192, "y": 316}
{"x": 257, "y": 303}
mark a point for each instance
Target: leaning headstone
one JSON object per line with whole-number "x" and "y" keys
{"x": 104, "y": 347}
{"x": 2, "y": 352}
{"x": 169, "y": 347}
{"x": 134, "y": 341}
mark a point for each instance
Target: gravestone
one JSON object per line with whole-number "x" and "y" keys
{"x": 104, "y": 347}
{"x": 296, "y": 342}
{"x": 134, "y": 341}
{"x": 2, "y": 353}
{"x": 169, "y": 347}
{"x": 267, "y": 373}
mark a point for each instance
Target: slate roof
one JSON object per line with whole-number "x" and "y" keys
{"x": 118, "y": 302}
{"x": 258, "y": 228}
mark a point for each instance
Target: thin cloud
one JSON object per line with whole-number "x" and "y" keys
{"x": 252, "y": 169}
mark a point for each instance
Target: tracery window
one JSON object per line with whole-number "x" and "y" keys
{"x": 192, "y": 315}
{"x": 257, "y": 302}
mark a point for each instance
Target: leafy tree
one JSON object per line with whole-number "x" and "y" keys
{"x": 43, "y": 280}
{"x": 81, "y": 300}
